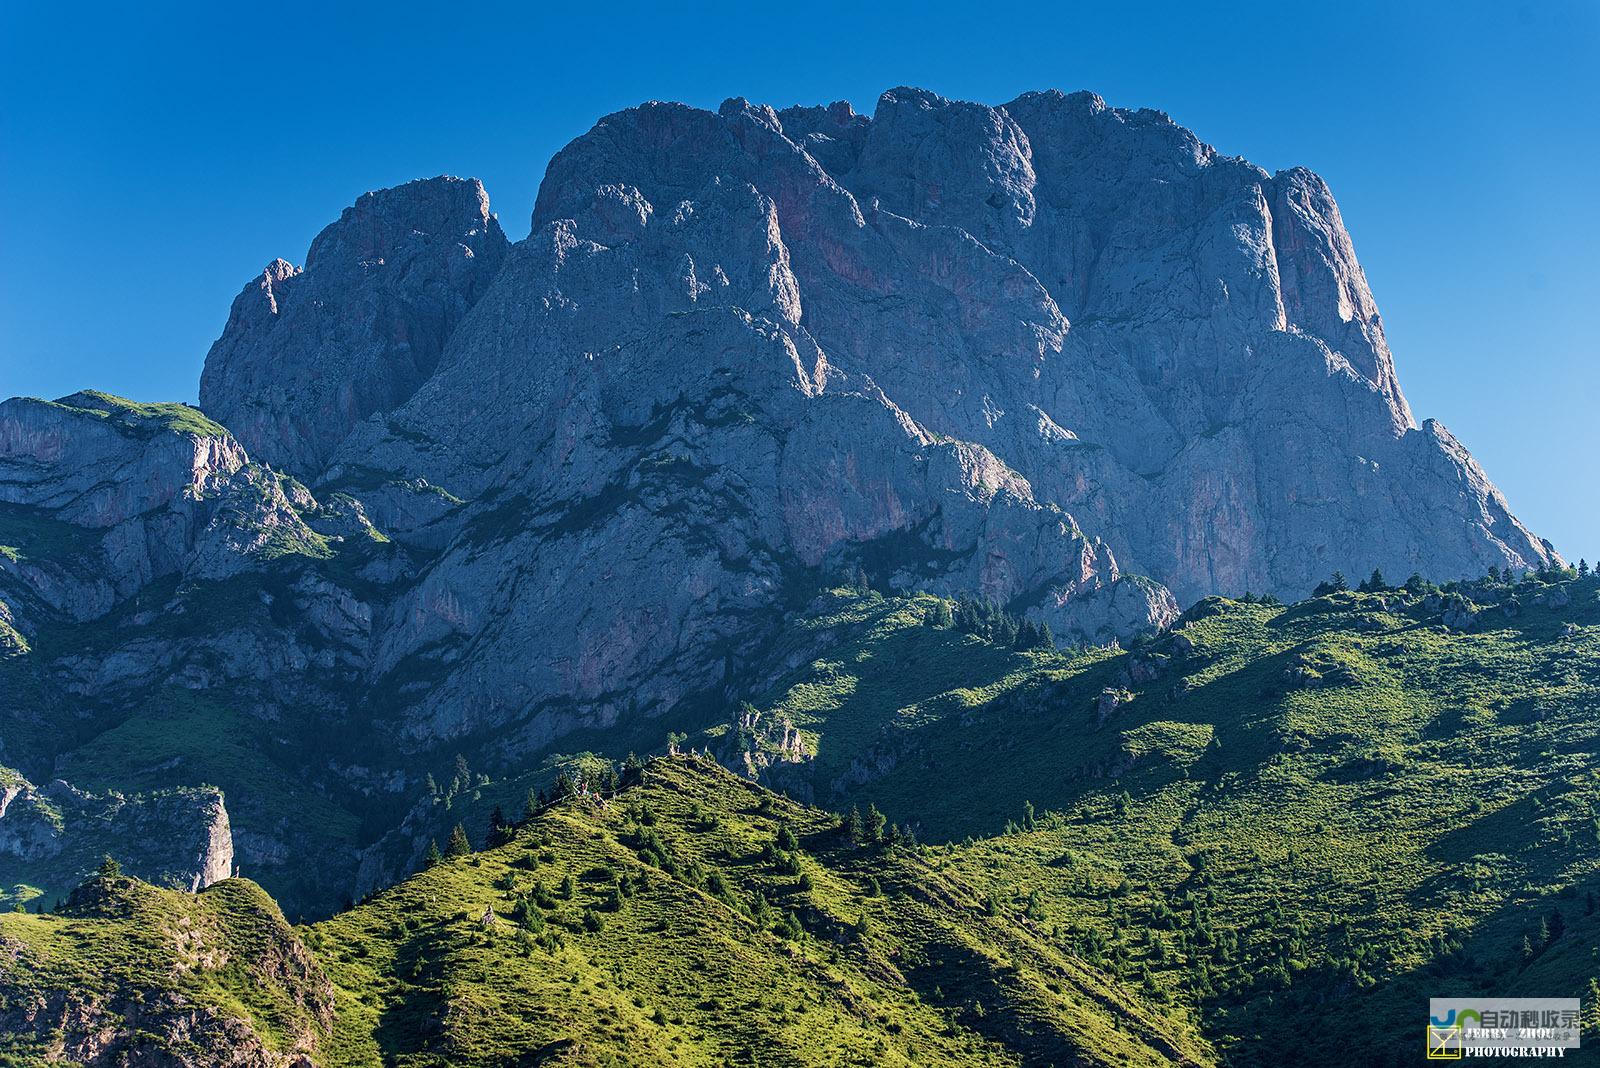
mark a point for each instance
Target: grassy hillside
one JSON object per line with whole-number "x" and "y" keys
{"x": 1273, "y": 809}
{"x": 142, "y": 419}
{"x": 128, "y": 968}
{"x": 1195, "y": 849}
{"x": 693, "y": 919}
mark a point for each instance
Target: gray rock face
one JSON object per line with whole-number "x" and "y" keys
{"x": 155, "y": 581}
{"x": 307, "y": 354}
{"x": 1056, "y": 354}
{"x": 119, "y": 494}
{"x": 651, "y": 409}
{"x": 98, "y": 461}
{"x": 52, "y": 837}
{"x": 1214, "y": 343}
{"x": 1016, "y": 350}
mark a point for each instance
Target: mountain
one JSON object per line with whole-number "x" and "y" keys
{"x": 446, "y": 494}
{"x": 1026, "y": 351}
{"x": 1187, "y": 852}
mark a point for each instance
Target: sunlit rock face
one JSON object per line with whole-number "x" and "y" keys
{"x": 1030, "y": 351}
{"x": 307, "y": 354}
{"x": 462, "y": 495}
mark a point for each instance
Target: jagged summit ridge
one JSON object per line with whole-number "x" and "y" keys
{"x": 741, "y": 341}
{"x": 474, "y": 495}
{"x": 307, "y": 354}
{"x": 1178, "y": 295}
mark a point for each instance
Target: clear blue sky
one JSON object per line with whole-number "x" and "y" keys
{"x": 153, "y": 157}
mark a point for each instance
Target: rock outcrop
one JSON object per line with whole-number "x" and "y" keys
{"x": 53, "y": 836}
{"x": 107, "y": 496}
{"x": 98, "y": 461}
{"x": 192, "y": 615}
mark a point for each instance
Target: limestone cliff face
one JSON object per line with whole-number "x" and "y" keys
{"x": 1177, "y": 348}
{"x": 307, "y": 354}
{"x": 98, "y": 462}
{"x": 53, "y": 836}
{"x": 473, "y": 495}
{"x": 1174, "y": 346}
{"x": 162, "y": 598}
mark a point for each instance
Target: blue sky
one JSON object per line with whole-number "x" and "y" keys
{"x": 153, "y": 157}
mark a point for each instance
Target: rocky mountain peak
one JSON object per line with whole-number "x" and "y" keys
{"x": 307, "y": 354}
{"x": 1038, "y": 347}
{"x": 403, "y": 221}
{"x": 1059, "y": 355}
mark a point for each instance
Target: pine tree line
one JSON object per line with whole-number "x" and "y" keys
{"x": 987, "y": 620}
{"x": 605, "y": 781}
{"x": 1495, "y": 577}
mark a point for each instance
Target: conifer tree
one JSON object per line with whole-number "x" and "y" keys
{"x": 459, "y": 845}
{"x": 853, "y": 828}
{"x": 500, "y": 830}
{"x": 876, "y": 821}
{"x": 433, "y": 857}
{"x": 632, "y": 770}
